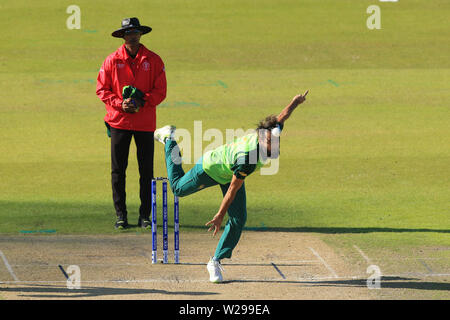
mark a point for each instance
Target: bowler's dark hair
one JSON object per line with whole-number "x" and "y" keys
{"x": 268, "y": 123}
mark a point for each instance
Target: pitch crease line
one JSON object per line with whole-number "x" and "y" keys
{"x": 362, "y": 254}
{"x": 8, "y": 266}
{"x": 425, "y": 265}
{"x": 324, "y": 263}
{"x": 314, "y": 279}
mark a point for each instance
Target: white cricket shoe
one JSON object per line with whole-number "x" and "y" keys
{"x": 215, "y": 271}
{"x": 163, "y": 133}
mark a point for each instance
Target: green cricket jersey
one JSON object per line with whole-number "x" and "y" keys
{"x": 240, "y": 158}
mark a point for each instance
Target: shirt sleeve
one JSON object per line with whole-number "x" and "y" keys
{"x": 104, "y": 87}
{"x": 159, "y": 90}
{"x": 243, "y": 167}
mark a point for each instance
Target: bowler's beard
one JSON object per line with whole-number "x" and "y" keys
{"x": 264, "y": 154}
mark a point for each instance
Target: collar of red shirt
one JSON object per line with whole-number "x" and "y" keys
{"x": 123, "y": 54}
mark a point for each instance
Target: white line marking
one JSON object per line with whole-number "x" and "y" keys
{"x": 236, "y": 261}
{"x": 233, "y": 263}
{"x": 8, "y": 266}
{"x": 324, "y": 263}
{"x": 425, "y": 265}
{"x": 363, "y": 254}
{"x": 315, "y": 279}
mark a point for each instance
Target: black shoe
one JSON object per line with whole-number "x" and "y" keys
{"x": 144, "y": 223}
{"x": 121, "y": 224}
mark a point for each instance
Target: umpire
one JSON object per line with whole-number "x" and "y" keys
{"x": 131, "y": 83}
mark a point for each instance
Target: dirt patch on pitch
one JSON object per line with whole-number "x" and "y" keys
{"x": 265, "y": 265}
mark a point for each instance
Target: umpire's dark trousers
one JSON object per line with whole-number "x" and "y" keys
{"x": 120, "y": 147}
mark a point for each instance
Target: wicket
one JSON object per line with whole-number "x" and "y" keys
{"x": 176, "y": 218}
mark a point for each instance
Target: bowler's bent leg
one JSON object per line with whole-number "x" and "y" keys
{"x": 237, "y": 213}
{"x": 182, "y": 183}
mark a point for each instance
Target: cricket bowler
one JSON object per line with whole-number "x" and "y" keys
{"x": 227, "y": 166}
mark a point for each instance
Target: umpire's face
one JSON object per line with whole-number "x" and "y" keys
{"x": 132, "y": 36}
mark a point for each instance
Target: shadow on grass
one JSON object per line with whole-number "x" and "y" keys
{"x": 74, "y": 217}
{"x": 47, "y": 291}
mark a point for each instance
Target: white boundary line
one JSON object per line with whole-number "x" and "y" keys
{"x": 8, "y": 266}
{"x": 324, "y": 263}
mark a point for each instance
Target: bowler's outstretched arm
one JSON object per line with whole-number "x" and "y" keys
{"x": 216, "y": 222}
{"x": 286, "y": 112}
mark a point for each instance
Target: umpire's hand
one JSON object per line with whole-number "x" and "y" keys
{"x": 128, "y": 106}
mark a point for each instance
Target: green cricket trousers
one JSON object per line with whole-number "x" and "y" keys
{"x": 196, "y": 179}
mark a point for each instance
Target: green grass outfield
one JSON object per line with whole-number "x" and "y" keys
{"x": 367, "y": 156}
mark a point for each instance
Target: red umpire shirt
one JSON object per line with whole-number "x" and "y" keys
{"x": 145, "y": 72}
